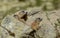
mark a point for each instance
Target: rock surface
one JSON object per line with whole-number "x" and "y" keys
{"x": 49, "y": 27}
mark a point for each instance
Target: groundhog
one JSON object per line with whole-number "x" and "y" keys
{"x": 21, "y": 16}
{"x": 35, "y": 24}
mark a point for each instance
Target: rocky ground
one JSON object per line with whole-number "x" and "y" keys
{"x": 49, "y": 27}
{"x": 13, "y": 28}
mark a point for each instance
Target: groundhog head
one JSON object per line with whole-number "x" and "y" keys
{"x": 21, "y": 15}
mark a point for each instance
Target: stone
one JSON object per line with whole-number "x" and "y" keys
{"x": 48, "y": 28}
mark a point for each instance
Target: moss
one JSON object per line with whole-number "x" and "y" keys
{"x": 44, "y": 8}
{"x": 23, "y": 8}
{"x": 13, "y": 10}
{"x": 55, "y": 3}
{"x": 30, "y": 5}
{"x": 38, "y": 2}
{"x": 21, "y": 0}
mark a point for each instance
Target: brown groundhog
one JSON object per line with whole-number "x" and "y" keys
{"x": 35, "y": 24}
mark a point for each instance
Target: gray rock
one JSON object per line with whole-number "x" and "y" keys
{"x": 47, "y": 26}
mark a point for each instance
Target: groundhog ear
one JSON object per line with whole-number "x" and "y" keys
{"x": 23, "y": 12}
{"x": 39, "y": 19}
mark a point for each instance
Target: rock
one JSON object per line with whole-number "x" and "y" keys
{"x": 47, "y": 26}
{"x": 14, "y": 26}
